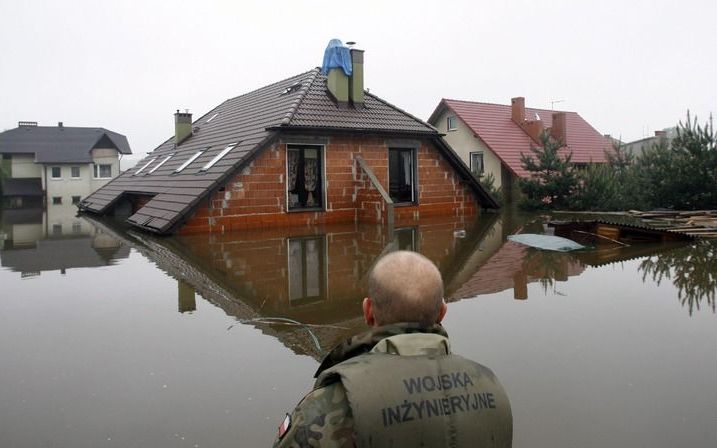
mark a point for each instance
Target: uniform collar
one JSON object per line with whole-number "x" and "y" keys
{"x": 365, "y": 342}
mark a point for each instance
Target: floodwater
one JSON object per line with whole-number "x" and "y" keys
{"x": 113, "y": 338}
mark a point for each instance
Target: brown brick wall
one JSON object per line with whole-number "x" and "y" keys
{"x": 256, "y": 197}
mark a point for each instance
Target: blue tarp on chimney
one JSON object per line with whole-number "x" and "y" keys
{"x": 337, "y": 56}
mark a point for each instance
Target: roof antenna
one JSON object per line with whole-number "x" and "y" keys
{"x": 552, "y": 103}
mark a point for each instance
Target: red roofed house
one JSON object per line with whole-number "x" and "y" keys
{"x": 490, "y": 137}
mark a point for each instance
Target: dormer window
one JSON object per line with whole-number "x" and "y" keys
{"x": 189, "y": 161}
{"x": 451, "y": 123}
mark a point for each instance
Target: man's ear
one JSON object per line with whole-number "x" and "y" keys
{"x": 368, "y": 312}
{"x": 442, "y": 312}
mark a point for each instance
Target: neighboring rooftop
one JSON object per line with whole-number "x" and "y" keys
{"x": 60, "y": 144}
{"x": 493, "y": 124}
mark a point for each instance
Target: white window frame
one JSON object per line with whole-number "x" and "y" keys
{"x": 144, "y": 166}
{"x": 218, "y": 157}
{"x": 57, "y": 200}
{"x": 79, "y": 172}
{"x": 52, "y": 172}
{"x": 470, "y": 162}
{"x": 451, "y": 119}
{"x": 414, "y": 174}
{"x": 194, "y": 157}
{"x": 162, "y": 162}
{"x": 324, "y": 185}
{"x": 97, "y": 170}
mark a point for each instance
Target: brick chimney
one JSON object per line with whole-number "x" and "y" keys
{"x": 182, "y": 126}
{"x": 531, "y": 127}
{"x": 559, "y": 129}
{"x": 356, "y": 80}
{"x": 517, "y": 105}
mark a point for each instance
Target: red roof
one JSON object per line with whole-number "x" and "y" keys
{"x": 492, "y": 123}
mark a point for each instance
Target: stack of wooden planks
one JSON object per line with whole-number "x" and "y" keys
{"x": 700, "y": 223}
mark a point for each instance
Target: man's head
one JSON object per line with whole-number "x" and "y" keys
{"x": 404, "y": 287}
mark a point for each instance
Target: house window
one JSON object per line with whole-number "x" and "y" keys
{"x": 75, "y": 172}
{"x": 103, "y": 171}
{"x": 307, "y": 270}
{"x": 476, "y": 161}
{"x": 76, "y": 200}
{"x": 56, "y": 172}
{"x": 57, "y": 229}
{"x": 451, "y": 123}
{"x": 402, "y": 175}
{"x": 304, "y": 175}
{"x": 76, "y": 228}
{"x": 57, "y": 200}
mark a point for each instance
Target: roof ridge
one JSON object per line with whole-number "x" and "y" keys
{"x": 424, "y": 123}
{"x": 300, "y": 97}
{"x": 506, "y": 105}
{"x": 270, "y": 85}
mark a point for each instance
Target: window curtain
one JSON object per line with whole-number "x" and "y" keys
{"x": 293, "y": 161}
{"x": 407, "y": 170}
{"x": 311, "y": 174}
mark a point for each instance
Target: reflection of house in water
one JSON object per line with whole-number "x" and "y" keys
{"x": 514, "y": 266}
{"x": 314, "y": 276}
{"x": 34, "y": 240}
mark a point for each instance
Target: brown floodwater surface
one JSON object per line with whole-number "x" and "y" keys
{"x": 114, "y": 338}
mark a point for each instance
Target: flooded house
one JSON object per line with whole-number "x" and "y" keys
{"x": 312, "y": 149}
{"x": 56, "y": 165}
{"x": 490, "y": 138}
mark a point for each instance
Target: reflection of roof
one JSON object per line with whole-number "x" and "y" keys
{"x": 22, "y": 187}
{"x": 493, "y": 124}
{"x": 499, "y": 272}
{"x": 22, "y": 215}
{"x": 251, "y": 122}
{"x": 52, "y": 144}
{"x": 57, "y": 254}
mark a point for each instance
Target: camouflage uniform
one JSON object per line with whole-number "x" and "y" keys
{"x": 324, "y": 418}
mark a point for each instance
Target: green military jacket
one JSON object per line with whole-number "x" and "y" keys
{"x": 399, "y": 385}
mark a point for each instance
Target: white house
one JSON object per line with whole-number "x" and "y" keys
{"x": 57, "y": 164}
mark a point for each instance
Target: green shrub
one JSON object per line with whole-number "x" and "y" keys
{"x": 552, "y": 177}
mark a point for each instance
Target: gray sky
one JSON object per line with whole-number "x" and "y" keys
{"x": 628, "y": 67}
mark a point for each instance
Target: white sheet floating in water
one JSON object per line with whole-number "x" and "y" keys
{"x": 546, "y": 242}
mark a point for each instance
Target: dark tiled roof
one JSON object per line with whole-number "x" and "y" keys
{"x": 251, "y": 121}
{"x": 64, "y": 253}
{"x": 22, "y": 187}
{"x": 493, "y": 124}
{"x": 52, "y": 144}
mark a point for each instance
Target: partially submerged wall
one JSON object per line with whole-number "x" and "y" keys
{"x": 256, "y": 197}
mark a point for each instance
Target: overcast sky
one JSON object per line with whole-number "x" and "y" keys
{"x": 628, "y": 67}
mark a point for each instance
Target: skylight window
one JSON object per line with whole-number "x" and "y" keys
{"x": 217, "y": 158}
{"x": 292, "y": 88}
{"x": 165, "y": 160}
{"x": 189, "y": 160}
{"x": 212, "y": 117}
{"x": 145, "y": 166}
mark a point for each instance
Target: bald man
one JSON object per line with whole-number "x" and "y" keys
{"x": 399, "y": 384}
